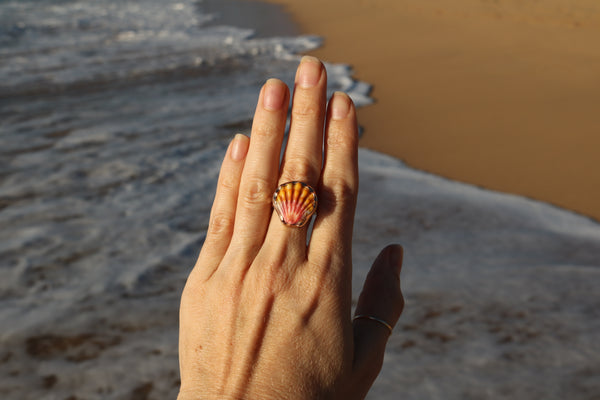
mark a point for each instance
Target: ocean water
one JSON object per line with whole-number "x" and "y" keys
{"x": 114, "y": 116}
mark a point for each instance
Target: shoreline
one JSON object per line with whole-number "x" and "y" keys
{"x": 504, "y": 97}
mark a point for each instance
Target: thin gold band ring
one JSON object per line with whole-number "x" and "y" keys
{"x": 372, "y": 318}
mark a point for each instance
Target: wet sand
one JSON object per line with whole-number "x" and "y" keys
{"x": 500, "y": 94}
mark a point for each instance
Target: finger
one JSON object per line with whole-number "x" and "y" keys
{"x": 381, "y": 298}
{"x": 332, "y": 234}
{"x": 222, "y": 214}
{"x": 259, "y": 178}
{"x": 303, "y": 153}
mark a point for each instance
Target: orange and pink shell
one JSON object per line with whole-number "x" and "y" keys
{"x": 295, "y": 203}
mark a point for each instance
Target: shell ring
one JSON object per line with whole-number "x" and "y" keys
{"x": 295, "y": 202}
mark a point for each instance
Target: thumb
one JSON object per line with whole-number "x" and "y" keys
{"x": 380, "y": 303}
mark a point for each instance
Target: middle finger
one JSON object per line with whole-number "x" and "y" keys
{"x": 302, "y": 158}
{"x": 303, "y": 154}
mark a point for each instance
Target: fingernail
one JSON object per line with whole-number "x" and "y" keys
{"x": 340, "y": 106}
{"x": 274, "y": 95}
{"x": 396, "y": 255}
{"x": 309, "y": 72}
{"x": 239, "y": 147}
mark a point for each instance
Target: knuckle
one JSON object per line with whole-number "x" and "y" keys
{"x": 265, "y": 130}
{"x": 257, "y": 193}
{"x": 304, "y": 108}
{"x": 261, "y": 131}
{"x": 338, "y": 138}
{"x": 228, "y": 183}
{"x": 220, "y": 224}
{"x": 296, "y": 168}
{"x": 339, "y": 191}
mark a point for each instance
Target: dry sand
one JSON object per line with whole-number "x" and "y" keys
{"x": 500, "y": 93}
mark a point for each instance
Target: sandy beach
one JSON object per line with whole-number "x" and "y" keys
{"x": 502, "y": 94}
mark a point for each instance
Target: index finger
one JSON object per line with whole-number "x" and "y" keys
{"x": 332, "y": 233}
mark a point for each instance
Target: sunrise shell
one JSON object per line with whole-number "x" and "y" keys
{"x": 295, "y": 203}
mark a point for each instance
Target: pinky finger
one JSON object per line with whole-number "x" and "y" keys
{"x": 222, "y": 214}
{"x": 379, "y": 307}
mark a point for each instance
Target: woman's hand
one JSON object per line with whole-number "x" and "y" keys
{"x": 263, "y": 315}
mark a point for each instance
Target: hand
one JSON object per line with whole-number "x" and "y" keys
{"x": 263, "y": 315}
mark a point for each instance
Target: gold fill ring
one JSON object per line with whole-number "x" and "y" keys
{"x": 372, "y": 318}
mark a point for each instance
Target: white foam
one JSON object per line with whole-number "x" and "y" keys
{"x": 497, "y": 286}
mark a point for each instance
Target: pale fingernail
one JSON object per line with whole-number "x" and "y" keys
{"x": 340, "y": 106}
{"x": 309, "y": 72}
{"x": 239, "y": 147}
{"x": 274, "y": 95}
